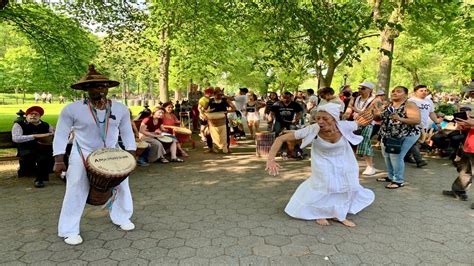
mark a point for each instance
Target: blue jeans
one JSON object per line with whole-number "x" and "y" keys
{"x": 394, "y": 162}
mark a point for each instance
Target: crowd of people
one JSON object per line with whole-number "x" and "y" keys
{"x": 337, "y": 128}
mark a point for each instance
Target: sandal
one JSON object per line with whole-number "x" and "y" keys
{"x": 163, "y": 160}
{"x": 394, "y": 185}
{"x": 177, "y": 160}
{"x": 383, "y": 179}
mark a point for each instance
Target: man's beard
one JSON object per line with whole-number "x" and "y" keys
{"x": 98, "y": 97}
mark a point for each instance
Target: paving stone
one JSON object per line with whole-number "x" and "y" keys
{"x": 311, "y": 260}
{"x": 198, "y": 242}
{"x": 95, "y": 254}
{"x": 162, "y": 234}
{"x": 295, "y": 250}
{"x": 224, "y": 241}
{"x": 153, "y": 253}
{"x": 344, "y": 259}
{"x": 171, "y": 243}
{"x": 262, "y": 231}
{"x": 210, "y": 252}
{"x": 188, "y": 234}
{"x": 124, "y": 254}
{"x": 224, "y": 260}
{"x": 91, "y": 244}
{"x": 73, "y": 262}
{"x": 112, "y": 235}
{"x": 266, "y": 250}
{"x": 350, "y": 248}
{"x": 35, "y": 246}
{"x": 35, "y": 256}
{"x": 403, "y": 258}
{"x": 284, "y": 260}
{"x": 250, "y": 241}
{"x": 7, "y": 256}
{"x": 65, "y": 255}
{"x": 254, "y": 260}
{"x": 238, "y": 232}
{"x": 373, "y": 258}
{"x": 277, "y": 240}
{"x": 194, "y": 261}
{"x": 137, "y": 234}
{"x": 134, "y": 261}
{"x": 144, "y": 243}
{"x": 106, "y": 262}
{"x": 182, "y": 252}
{"x": 118, "y": 244}
{"x": 238, "y": 251}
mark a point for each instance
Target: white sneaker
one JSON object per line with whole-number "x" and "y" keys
{"x": 73, "y": 240}
{"x": 127, "y": 227}
{"x": 369, "y": 171}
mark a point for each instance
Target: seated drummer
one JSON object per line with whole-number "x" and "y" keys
{"x": 34, "y": 145}
{"x": 170, "y": 119}
{"x": 150, "y": 129}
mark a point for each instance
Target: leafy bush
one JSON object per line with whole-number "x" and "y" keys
{"x": 447, "y": 109}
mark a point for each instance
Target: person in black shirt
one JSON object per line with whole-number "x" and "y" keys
{"x": 219, "y": 132}
{"x": 285, "y": 114}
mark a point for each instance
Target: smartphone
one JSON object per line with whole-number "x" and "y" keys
{"x": 460, "y": 115}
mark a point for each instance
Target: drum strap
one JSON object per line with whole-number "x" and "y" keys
{"x": 80, "y": 152}
{"x": 105, "y": 129}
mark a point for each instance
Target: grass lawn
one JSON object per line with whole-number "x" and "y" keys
{"x": 51, "y": 113}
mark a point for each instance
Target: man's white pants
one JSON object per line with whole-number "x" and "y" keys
{"x": 77, "y": 189}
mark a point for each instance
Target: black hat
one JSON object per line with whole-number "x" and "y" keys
{"x": 94, "y": 79}
{"x": 244, "y": 90}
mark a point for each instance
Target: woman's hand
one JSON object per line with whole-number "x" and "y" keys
{"x": 465, "y": 123}
{"x": 272, "y": 167}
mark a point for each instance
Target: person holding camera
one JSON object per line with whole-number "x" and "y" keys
{"x": 399, "y": 131}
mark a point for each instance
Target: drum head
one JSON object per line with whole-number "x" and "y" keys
{"x": 164, "y": 139}
{"x": 142, "y": 145}
{"x": 183, "y": 130}
{"x": 111, "y": 162}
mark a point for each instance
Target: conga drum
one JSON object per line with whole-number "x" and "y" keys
{"x": 216, "y": 119}
{"x": 264, "y": 141}
{"x": 106, "y": 169}
{"x": 164, "y": 139}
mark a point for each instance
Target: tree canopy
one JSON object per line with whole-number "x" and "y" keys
{"x": 157, "y": 47}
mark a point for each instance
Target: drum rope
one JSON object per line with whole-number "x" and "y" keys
{"x": 115, "y": 191}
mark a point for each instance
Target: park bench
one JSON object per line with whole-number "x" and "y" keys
{"x": 7, "y": 143}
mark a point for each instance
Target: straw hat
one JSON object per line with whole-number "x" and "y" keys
{"x": 94, "y": 79}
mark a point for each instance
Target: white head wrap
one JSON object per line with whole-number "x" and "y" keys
{"x": 332, "y": 109}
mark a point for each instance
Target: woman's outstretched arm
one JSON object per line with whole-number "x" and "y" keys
{"x": 272, "y": 166}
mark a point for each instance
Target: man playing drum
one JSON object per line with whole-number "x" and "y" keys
{"x": 97, "y": 123}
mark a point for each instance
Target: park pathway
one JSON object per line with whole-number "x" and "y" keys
{"x": 225, "y": 210}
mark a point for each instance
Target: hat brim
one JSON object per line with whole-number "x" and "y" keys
{"x": 89, "y": 84}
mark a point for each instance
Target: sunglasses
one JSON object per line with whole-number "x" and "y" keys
{"x": 362, "y": 88}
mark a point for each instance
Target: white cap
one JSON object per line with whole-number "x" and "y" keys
{"x": 331, "y": 108}
{"x": 380, "y": 92}
{"x": 366, "y": 84}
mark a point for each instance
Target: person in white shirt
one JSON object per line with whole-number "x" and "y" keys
{"x": 90, "y": 118}
{"x": 427, "y": 112}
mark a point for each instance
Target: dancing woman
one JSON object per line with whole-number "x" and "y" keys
{"x": 333, "y": 190}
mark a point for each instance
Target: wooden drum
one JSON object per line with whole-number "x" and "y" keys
{"x": 264, "y": 141}
{"x": 216, "y": 119}
{"x": 106, "y": 169}
{"x": 181, "y": 133}
{"x": 141, "y": 147}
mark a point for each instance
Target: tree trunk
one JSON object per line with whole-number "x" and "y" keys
{"x": 164, "y": 65}
{"x": 388, "y": 36}
{"x": 414, "y": 76}
{"x": 385, "y": 63}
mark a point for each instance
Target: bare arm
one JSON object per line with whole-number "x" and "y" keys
{"x": 349, "y": 109}
{"x": 273, "y": 167}
{"x": 413, "y": 115}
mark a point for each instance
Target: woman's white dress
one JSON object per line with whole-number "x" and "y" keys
{"x": 333, "y": 189}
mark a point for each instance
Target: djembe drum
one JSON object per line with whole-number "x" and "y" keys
{"x": 216, "y": 119}
{"x": 264, "y": 141}
{"x": 181, "y": 133}
{"x": 141, "y": 147}
{"x": 106, "y": 169}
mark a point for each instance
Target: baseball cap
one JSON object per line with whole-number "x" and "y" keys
{"x": 366, "y": 84}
